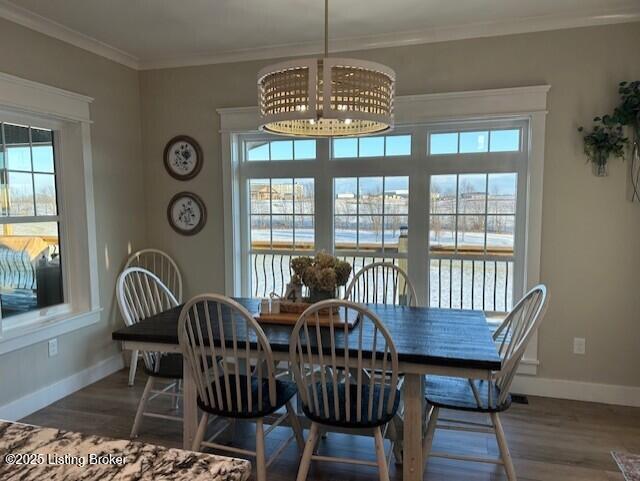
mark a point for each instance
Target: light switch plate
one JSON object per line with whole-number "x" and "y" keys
{"x": 53, "y": 347}
{"x": 579, "y": 345}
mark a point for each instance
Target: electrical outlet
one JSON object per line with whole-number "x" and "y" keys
{"x": 53, "y": 347}
{"x": 579, "y": 345}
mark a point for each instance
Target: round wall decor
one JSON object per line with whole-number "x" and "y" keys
{"x": 186, "y": 213}
{"x": 183, "y": 157}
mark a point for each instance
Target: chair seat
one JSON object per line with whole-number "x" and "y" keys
{"x": 285, "y": 390}
{"x": 170, "y": 367}
{"x": 456, "y": 393}
{"x": 364, "y": 422}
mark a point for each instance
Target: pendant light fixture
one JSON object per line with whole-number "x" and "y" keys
{"x": 326, "y": 96}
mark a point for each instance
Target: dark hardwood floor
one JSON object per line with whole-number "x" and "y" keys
{"x": 550, "y": 440}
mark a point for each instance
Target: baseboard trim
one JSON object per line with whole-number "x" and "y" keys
{"x": 41, "y": 398}
{"x": 577, "y": 390}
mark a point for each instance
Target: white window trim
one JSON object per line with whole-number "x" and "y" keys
{"x": 520, "y": 102}
{"x": 67, "y": 113}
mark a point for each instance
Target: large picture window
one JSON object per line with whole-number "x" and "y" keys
{"x": 30, "y": 253}
{"x": 443, "y": 202}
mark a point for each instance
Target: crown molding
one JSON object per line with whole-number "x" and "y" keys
{"x": 56, "y": 30}
{"x": 26, "y": 18}
{"x": 400, "y": 39}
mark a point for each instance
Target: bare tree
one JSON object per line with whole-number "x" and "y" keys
{"x": 371, "y": 210}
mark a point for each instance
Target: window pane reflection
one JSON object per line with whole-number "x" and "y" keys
{"x": 30, "y": 270}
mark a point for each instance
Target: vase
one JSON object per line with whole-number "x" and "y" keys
{"x": 599, "y": 165}
{"x": 317, "y": 295}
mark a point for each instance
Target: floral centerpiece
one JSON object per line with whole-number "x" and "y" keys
{"x": 322, "y": 274}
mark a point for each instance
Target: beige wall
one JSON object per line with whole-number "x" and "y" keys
{"x": 590, "y": 256}
{"x": 590, "y": 259}
{"x": 118, "y": 184}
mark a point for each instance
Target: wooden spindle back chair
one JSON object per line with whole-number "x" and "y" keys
{"x": 514, "y": 335}
{"x": 165, "y": 268}
{"x": 381, "y": 283}
{"x": 487, "y": 396}
{"x": 330, "y": 365}
{"x": 141, "y": 294}
{"x": 232, "y": 364}
{"x": 210, "y": 325}
{"x": 162, "y": 265}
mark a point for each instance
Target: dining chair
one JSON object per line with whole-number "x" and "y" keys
{"x": 241, "y": 384}
{"x": 381, "y": 283}
{"x": 486, "y": 397}
{"x": 141, "y": 294}
{"x": 331, "y": 380}
{"x": 385, "y": 283}
{"x": 165, "y": 268}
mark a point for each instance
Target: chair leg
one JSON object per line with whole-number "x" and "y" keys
{"x": 295, "y": 425}
{"x": 431, "y": 431}
{"x": 395, "y": 434}
{"x": 202, "y": 428}
{"x": 132, "y": 367}
{"x": 383, "y": 469}
{"x": 141, "y": 405}
{"x": 322, "y": 435}
{"x": 176, "y": 391}
{"x": 305, "y": 462}
{"x": 261, "y": 463}
{"x": 504, "y": 449}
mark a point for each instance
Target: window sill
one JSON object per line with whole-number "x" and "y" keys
{"x": 23, "y": 336}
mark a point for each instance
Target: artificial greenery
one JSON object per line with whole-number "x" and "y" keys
{"x": 628, "y": 112}
{"x": 606, "y": 139}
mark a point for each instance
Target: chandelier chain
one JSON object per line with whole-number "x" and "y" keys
{"x": 326, "y": 28}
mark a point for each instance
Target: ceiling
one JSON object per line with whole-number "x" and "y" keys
{"x": 163, "y": 33}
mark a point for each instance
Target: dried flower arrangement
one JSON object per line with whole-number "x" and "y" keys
{"x": 322, "y": 274}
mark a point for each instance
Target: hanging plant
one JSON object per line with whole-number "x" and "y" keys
{"x": 605, "y": 140}
{"x": 628, "y": 114}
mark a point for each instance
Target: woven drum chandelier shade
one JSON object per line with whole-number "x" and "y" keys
{"x": 326, "y": 97}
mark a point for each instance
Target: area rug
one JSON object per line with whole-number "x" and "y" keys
{"x": 629, "y": 464}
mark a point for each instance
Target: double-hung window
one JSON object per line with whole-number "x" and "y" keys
{"x": 31, "y": 275}
{"x": 48, "y": 252}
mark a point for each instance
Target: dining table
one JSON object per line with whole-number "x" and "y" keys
{"x": 428, "y": 341}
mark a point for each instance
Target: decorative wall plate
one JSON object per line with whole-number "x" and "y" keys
{"x": 183, "y": 157}
{"x": 186, "y": 213}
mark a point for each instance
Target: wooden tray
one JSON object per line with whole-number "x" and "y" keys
{"x": 290, "y": 318}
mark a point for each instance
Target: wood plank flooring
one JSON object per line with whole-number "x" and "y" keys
{"x": 550, "y": 440}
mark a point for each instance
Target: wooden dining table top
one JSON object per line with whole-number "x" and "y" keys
{"x": 441, "y": 337}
